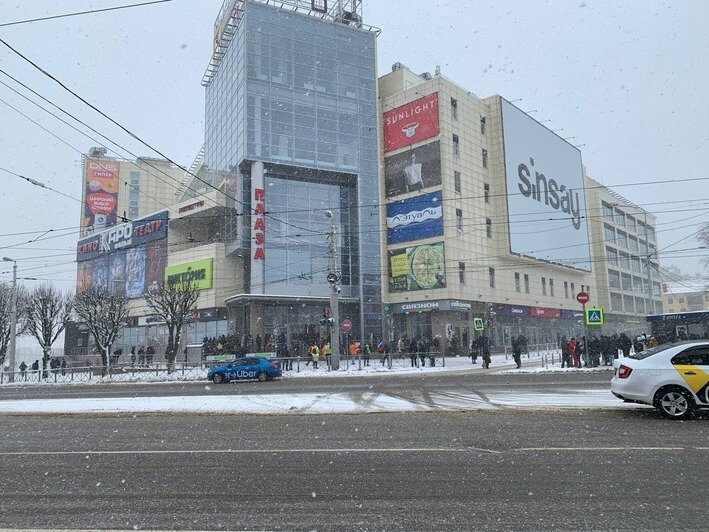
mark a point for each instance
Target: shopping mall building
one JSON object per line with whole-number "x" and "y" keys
{"x": 490, "y": 215}
{"x": 447, "y": 207}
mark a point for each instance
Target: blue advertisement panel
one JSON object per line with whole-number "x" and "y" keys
{"x": 415, "y": 218}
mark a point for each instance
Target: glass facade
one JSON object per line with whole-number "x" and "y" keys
{"x": 298, "y": 93}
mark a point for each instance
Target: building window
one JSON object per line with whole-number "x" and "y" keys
{"x": 622, "y": 239}
{"x": 461, "y": 272}
{"x": 616, "y": 302}
{"x": 626, "y": 281}
{"x": 459, "y": 220}
{"x": 491, "y": 274}
{"x": 482, "y": 125}
{"x": 454, "y": 108}
{"x": 486, "y": 188}
{"x": 614, "y": 279}
{"x": 518, "y": 283}
{"x": 624, "y": 260}
{"x": 633, "y": 244}
{"x": 526, "y": 283}
{"x": 608, "y": 233}
{"x": 566, "y": 289}
{"x": 651, "y": 232}
{"x": 456, "y": 182}
{"x": 631, "y": 224}
{"x": 612, "y": 255}
{"x": 551, "y": 287}
{"x": 484, "y": 158}
{"x": 619, "y": 217}
{"x": 681, "y": 300}
{"x": 488, "y": 227}
{"x": 134, "y": 196}
{"x": 573, "y": 290}
{"x": 607, "y": 211}
{"x": 456, "y": 145}
{"x": 635, "y": 264}
{"x": 544, "y": 286}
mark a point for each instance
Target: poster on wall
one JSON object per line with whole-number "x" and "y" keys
{"x": 413, "y": 170}
{"x": 544, "y": 174}
{"x": 198, "y": 274}
{"x": 411, "y": 123}
{"x": 101, "y": 179}
{"x": 415, "y": 218}
{"x": 417, "y": 268}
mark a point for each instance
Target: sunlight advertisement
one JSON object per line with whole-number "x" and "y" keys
{"x": 101, "y": 179}
{"x": 417, "y": 268}
{"x": 544, "y": 174}
{"x": 411, "y": 123}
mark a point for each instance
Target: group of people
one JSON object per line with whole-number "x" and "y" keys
{"x": 56, "y": 365}
{"x": 419, "y": 349}
{"x": 601, "y": 350}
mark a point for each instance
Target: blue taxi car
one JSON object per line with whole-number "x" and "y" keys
{"x": 245, "y": 368}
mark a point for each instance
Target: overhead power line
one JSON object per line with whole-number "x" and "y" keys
{"x": 79, "y": 13}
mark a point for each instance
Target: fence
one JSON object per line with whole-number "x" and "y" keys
{"x": 534, "y": 350}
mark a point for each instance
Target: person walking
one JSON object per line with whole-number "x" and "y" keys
{"x": 413, "y": 347}
{"x": 367, "y": 353}
{"x": 565, "y": 353}
{"x": 327, "y": 353}
{"x": 23, "y": 369}
{"x": 625, "y": 344}
{"x": 486, "y": 357}
{"x": 574, "y": 355}
{"x": 422, "y": 350}
{"x": 517, "y": 352}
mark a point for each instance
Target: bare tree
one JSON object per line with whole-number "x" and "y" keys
{"x": 47, "y": 312}
{"x": 174, "y": 303}
{"x": 6, "y": 313}
{"x": 105, "y": 314}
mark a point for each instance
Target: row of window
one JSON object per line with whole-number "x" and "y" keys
{"x": 626, "y": 241}
{"x": 627, "y": 262}
{"x": 631, "y": 283}
{"x": 615, "y": 215}
{"x": 457, "y": 186}
{"x": 634, "y": 305}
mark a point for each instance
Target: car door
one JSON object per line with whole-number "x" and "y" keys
{"x": 693, "y": 366}
{"x": 250, "y": 368}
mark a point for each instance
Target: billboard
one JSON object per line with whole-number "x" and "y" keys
{"x": 101, "y": 179}
{"x": 198, "y": 273}
{"x": 412, "y": 170}
{"x": 130, "y": 257}
{"x": 544, "y": 175}
{"x": 415, "y": 218}
{"x": 131, "y": 234}
{"x": 417, "y": 268}
{"x": 411, "y": 123}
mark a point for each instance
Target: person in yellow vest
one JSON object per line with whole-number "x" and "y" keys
{"x": 327, "y": 352}
{"x": 315, "y": 355}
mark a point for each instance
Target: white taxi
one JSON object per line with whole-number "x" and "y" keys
{"x": 673, "y": 378}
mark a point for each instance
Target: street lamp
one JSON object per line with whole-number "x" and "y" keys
{"x": 333, "y": 278}
{"x": 13, "y": 319}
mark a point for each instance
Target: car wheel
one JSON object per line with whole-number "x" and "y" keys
{"x": 217, "y": 378}
{"x": 674, "y": 402}
{"x": 263, "y": 376}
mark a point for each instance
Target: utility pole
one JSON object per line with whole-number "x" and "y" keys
{"x": 13, "y": 320}
{"x": 333, "y": 277}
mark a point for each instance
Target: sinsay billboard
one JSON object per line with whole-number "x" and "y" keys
{"x": 545, "y": 194}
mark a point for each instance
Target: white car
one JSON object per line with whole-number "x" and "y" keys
{"x": 673, "y": 378}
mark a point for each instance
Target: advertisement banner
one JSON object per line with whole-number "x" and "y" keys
{"x": 131, "y": 234}
{"x": 412, "y": 170}
{"x": 101, "y": 179}
{"x": 415, "y": 218}
{"x": 131, "y": 272}
{"x": 543, "y": 312}
{"x": 411, "y": 123}
{"x": 544, "y": 174}
{"x": 198, "y": 273}
{"x": 417, "y": 268}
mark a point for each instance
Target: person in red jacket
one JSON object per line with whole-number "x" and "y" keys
{"x": 576, "y": 361}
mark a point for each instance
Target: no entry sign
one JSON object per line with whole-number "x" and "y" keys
{"x": 583, "y": 298}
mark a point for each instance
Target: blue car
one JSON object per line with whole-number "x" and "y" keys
{"x": 246, "y": 368}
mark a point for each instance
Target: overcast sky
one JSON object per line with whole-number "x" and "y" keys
{"x": 627, "y": 80}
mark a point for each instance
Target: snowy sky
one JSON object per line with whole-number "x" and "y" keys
{"x": 627, "y": 80}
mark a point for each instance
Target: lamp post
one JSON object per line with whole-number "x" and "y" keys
{"x": 333, "y": 278}
{"x": 13, "y": 319}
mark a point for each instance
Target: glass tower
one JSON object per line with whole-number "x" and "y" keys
{"x": 291, "y": 110}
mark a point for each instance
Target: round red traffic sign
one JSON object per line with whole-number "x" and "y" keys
{"x": 346, "y": 325}
{"x": 583, "y": 298}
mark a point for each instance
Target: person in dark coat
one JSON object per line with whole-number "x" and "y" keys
{"x": 625, "y": 344}
{"x": 23, "y": 369}
{"x": 638, "y": 345}
{"x": 565, "y": 353}
{"x": 486, "y": 357}
{"x": 422, "y": 349}
{"x": 474, "y": 350}
{"x": 517, "y": 352}
{"x": 259, "y": 343}
{"x": 413, "y": 348}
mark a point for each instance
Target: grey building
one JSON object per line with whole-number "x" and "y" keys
{"x": 290, "y": 133}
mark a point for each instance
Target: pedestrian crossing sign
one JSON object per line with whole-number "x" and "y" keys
{"x": 478, "y": 324}
{"x": 594, "y": 316}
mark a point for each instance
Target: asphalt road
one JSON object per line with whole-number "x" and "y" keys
{"x": 502, "y": 470}
{"x": 476, "y": 380}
